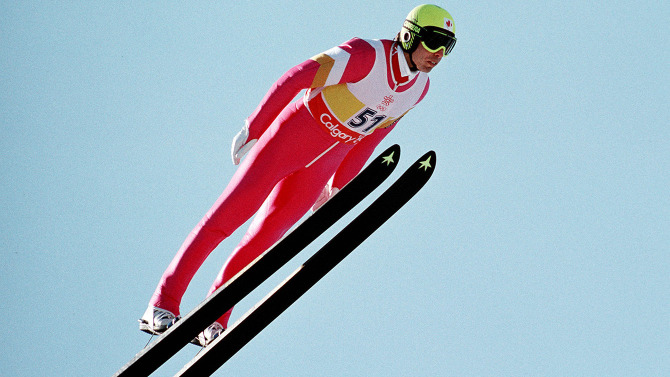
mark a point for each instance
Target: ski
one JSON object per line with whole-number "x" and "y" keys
{"x": 285, "y": 294}
{"x": 182, "y": 332}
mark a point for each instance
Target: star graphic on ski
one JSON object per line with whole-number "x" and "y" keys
{"x": 425, "y": 164}
{"x": 388, "y": 160}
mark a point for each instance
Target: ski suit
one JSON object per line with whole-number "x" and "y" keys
{"x": 356, "y": 93}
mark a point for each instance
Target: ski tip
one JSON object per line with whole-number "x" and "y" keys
{"x": 427, "y": 162}
{"x": 395, "y": 148}
{"x": 391, "y": 156}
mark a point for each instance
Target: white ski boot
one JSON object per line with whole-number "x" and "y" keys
{"x": 206, "y": 337}
{"x": 156, "y": 320}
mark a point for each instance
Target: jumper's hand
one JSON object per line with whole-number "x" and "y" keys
{"x": 240, "y": 145}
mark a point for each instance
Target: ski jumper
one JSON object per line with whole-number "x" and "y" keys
{"x": 356, "y": 93}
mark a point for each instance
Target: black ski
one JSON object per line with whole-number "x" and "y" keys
{"x": 180, "y": 334}
{"x": 324, "y": 260}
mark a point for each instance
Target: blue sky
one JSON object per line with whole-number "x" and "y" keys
{"x": 540, "y": 246}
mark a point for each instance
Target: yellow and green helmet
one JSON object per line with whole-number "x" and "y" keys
{"x": 430, "y": 25}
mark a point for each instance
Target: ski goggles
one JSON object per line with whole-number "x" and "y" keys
{"x": 432, "y": 38}
{"x": 434, "y": 41}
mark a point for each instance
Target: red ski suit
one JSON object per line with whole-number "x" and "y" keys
{"x": 356, "y": 93}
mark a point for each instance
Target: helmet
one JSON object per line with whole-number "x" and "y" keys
{"x": 431, "y": 25}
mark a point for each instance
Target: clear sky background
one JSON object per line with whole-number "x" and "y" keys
{"x": 539, "y": 248}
